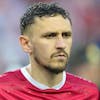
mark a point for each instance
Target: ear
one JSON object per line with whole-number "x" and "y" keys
{"x": 25, "y": 43}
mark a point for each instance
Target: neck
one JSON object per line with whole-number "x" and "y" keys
{"x": 44, "y": 76}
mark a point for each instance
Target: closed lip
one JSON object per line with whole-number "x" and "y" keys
{"x": 60, "y": 55}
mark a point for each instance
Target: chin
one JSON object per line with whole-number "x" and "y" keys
{"x": 56, "y": 69}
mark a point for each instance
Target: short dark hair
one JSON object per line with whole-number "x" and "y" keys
{"x": 38, "y": 10}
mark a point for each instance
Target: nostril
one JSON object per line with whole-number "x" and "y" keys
{"x": 60, "y": 44}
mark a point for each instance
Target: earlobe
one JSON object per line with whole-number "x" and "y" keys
{"x": 25, "y": 43}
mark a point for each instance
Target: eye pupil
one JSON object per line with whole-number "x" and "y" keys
{"x": 50, "y": 35}
{"x": 66, "y": 34}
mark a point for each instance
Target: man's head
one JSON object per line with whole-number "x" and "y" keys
{"x": 40, "y": 10}
{"x": 47, "y": 36}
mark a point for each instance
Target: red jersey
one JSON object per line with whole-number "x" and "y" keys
{"x": 14, "y": 86}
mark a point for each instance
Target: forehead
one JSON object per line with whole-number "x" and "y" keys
{"x": 51, "y": 24}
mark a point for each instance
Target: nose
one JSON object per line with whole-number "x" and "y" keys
{"x": 60, "y": 44}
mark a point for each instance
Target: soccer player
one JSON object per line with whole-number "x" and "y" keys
{"x": 46, "y": 35}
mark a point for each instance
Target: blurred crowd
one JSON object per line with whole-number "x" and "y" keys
{"x": 85, "y": 56}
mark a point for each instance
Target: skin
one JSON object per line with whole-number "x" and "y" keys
{"x": 48, "y": 44}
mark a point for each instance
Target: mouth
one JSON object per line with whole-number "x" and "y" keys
{"x": 60, "y": 56}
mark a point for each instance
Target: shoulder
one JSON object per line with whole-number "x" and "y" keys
{"x": 11, "y": 81}
{"x": 79, "y": 80}
{"x": 74, "y": 79}
{"x": 9, "y": 77}
{"x": 82, "y": 84}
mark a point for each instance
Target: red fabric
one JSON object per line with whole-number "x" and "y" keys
{"x": 14, "y": 86}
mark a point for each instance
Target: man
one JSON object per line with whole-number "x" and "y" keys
{"x": 47, "y": 38}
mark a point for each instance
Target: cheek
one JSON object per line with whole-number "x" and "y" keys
{"x": 68, "y": 46}
{"x": 42, "y": 50}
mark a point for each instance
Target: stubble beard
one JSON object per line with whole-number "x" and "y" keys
{"x": 57, "y": 66}
{"x": 54, "y": 67}
{"x": 54, "y": 70}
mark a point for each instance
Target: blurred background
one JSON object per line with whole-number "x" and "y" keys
{"x": 85, "y": 56}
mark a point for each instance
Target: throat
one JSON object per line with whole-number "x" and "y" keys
{"x": 45, "y": 77}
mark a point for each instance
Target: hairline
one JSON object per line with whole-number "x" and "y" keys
{"x": 27, "y": 30}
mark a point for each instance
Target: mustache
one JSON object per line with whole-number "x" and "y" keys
{"x": 59, "y": 52}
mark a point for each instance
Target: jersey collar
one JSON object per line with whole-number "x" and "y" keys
{"x": 39, "y": 85}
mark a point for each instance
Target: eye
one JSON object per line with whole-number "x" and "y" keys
{"x": 66, "y": 34}
{"x": 50, "y": 35}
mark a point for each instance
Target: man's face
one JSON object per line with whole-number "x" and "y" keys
{"x": 51, "y": 42}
